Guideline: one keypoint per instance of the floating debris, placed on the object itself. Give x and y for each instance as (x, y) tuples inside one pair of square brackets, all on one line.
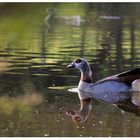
[(93, 124), (46, 135), (63, 132), (57, 121), (77, 127), (62, 119), (100, 122), (36, 111), (110, 17)]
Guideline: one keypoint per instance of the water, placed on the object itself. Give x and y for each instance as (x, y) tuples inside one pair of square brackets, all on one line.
[(36, 45)]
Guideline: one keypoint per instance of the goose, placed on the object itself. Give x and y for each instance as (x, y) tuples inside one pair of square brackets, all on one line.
[(112, 89)]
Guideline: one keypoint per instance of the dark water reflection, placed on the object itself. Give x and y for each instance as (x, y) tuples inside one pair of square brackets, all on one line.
[(35, 49)]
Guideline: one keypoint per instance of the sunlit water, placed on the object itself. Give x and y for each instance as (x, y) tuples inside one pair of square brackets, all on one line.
[(36, 45)]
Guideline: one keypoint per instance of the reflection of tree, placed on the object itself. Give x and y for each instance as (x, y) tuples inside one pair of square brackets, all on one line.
[(84, 29), (47, 26), (119, 50), (132, 39), (83, 40), (8, 85)]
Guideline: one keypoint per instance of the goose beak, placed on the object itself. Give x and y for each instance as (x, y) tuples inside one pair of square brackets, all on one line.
[(71, 65)]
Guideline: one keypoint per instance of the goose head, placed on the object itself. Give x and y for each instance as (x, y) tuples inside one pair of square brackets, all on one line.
[(79, 63), (83, 66)]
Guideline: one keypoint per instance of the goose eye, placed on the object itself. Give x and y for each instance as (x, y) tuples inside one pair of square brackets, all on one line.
[(78, 61)]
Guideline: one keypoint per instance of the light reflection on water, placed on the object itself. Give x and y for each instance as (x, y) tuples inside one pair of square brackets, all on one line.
[(34, 79)]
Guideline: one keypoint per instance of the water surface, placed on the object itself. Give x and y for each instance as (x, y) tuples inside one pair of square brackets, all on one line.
[(38, 41)]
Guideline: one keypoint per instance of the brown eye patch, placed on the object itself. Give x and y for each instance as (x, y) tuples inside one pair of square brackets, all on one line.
[(78, 60)]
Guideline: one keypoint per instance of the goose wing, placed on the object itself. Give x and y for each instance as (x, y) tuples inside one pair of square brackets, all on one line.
[(129, 76), (126, 77)]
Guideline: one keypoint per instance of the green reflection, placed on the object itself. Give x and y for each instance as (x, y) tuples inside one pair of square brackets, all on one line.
[(36, 45)]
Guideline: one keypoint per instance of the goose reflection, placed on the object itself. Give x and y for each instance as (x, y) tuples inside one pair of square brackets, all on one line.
[(121, 90), (128, 101)]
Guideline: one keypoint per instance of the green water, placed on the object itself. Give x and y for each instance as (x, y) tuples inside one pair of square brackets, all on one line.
[(38, 41)]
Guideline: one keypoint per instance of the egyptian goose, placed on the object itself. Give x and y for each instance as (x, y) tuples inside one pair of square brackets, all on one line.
[(112, 89)]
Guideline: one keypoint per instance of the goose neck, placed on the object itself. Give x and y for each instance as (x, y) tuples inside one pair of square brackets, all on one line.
[(86, 76)]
